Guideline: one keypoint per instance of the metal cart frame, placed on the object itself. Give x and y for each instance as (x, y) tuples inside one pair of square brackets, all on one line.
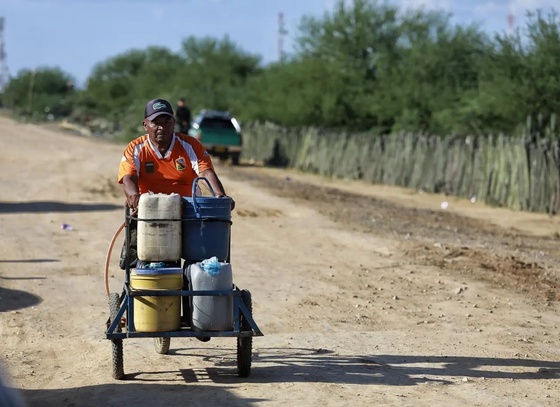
[(120, 324)]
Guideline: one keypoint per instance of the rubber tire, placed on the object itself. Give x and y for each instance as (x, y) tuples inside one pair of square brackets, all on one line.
[(117, 344), (245, 344), (162, 345)]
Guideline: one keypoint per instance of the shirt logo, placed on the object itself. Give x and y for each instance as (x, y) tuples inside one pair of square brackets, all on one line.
[(150, 168), (158, 105), (180, 164)]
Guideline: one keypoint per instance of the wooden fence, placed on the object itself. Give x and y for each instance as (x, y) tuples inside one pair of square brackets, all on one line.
[(519, 172)]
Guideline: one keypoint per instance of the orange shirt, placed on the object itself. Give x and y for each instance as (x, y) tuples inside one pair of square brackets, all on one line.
[(174, 172)]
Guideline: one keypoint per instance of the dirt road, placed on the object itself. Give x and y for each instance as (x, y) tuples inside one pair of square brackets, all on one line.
[(367, 295)]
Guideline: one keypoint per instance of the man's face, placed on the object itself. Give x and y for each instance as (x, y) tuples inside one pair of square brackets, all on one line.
[(160, 130)]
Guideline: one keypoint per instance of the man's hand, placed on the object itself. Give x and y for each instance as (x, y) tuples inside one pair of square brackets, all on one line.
[(215, 183), (132, 201), (225, 196), (130, 184)]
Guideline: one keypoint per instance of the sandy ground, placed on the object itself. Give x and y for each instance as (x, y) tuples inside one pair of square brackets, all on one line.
[(367, 295)]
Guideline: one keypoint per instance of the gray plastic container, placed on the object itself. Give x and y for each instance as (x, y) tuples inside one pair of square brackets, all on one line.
[(211, 313)]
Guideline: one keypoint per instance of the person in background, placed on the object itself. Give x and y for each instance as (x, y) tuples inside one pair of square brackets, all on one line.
[(183, 116), (162, 161)]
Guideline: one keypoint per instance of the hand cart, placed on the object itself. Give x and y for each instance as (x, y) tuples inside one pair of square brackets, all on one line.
[(120, 324)]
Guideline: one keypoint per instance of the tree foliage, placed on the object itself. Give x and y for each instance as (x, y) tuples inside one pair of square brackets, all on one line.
[(216, 72), (40, 94), (364, 65)]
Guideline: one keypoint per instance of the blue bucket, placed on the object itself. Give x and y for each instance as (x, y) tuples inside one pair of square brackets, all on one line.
[(206, 226)]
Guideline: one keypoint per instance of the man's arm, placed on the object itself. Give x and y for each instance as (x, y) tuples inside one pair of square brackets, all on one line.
[(130, 183)]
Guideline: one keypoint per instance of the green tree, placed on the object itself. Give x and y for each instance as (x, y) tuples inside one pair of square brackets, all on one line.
[(40, 94), (351, 48), (298, 93), (522, 77), (119, 87), (216, 72), (438, 74)]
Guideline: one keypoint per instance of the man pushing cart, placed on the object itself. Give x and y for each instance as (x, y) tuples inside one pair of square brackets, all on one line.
[(176, 254)]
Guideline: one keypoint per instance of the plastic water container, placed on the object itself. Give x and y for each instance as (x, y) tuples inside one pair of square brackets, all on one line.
[(206, 226), (159, 228), (157, 313), (211, 313)]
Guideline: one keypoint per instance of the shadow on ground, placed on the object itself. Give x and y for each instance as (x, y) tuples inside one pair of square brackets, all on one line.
[(280, 365), (186, 387), (54, 206), (138, 395), (25, 261), (12, 300)]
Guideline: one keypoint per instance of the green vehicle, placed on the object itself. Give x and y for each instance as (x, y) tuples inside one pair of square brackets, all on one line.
[(219, 133)]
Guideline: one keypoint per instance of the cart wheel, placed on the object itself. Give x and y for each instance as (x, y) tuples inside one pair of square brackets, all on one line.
[(162, 345), (118, 361), (245, 344)]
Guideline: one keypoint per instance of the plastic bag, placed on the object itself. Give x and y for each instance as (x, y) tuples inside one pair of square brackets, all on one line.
[(212, 266), (155, 265)]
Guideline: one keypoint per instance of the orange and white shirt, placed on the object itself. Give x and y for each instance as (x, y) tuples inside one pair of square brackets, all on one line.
[(175, 172)]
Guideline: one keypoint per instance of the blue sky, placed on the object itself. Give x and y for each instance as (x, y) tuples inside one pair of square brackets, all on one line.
[(76, 34)]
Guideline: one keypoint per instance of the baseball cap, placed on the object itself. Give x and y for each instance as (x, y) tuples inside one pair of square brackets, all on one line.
[(157, 107)]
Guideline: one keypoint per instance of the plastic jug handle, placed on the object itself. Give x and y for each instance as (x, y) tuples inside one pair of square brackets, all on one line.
[(194, 185)]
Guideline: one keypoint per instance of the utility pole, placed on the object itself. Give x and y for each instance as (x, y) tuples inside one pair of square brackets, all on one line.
[(281, 33), (4, 75), (510, 21)]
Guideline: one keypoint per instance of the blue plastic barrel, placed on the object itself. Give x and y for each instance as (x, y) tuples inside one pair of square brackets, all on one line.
[(206, 226)]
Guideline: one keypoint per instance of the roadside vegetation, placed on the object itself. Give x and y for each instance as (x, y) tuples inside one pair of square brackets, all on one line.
[(370, 92), (365, 66)]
